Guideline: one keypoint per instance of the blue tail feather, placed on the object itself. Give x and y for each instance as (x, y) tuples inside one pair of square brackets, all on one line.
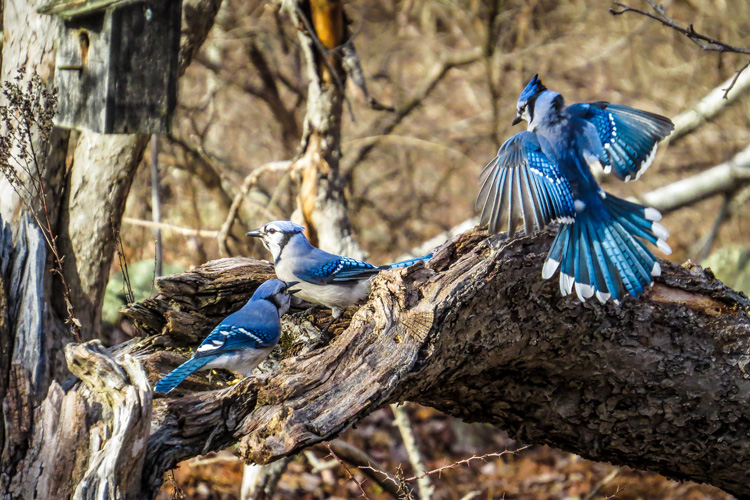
[(604, 282), (620, 261), (567, 266), (408, 262), (603, 251), (587, 277), (176, 376), (641, 276)]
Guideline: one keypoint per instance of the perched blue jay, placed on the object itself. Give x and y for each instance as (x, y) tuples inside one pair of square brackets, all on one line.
[(243, 339), (329, 280), (543, 175)]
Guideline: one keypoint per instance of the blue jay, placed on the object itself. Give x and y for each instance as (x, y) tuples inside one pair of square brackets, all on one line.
[(243, 339), (543, 175), (329, 280)]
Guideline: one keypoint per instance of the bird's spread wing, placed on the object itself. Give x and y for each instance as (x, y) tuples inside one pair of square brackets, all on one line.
[(522, 182), (629, 136), (227, 337), (337, 270)]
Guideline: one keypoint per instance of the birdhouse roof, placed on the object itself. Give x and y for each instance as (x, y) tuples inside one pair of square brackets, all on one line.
[(69, 9)]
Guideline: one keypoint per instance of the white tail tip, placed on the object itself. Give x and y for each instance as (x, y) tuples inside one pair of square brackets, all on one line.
[(659, 231), (566, 284), (652, 214), (550, 266), (656, 270), (584, 291), (664, 247)]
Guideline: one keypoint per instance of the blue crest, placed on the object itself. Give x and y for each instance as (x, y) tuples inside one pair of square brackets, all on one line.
[(285, 226), (268, 289), (534, 87)]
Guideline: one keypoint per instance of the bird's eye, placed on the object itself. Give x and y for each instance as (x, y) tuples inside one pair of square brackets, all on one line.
[(271, 230)]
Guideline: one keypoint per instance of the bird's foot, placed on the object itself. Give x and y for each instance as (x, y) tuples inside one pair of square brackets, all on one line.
[(325, 336), (324, 331), (306, 312)]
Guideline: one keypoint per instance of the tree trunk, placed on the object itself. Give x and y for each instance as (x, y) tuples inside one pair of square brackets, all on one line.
[(656, 383), (321, 201), (48, 451)]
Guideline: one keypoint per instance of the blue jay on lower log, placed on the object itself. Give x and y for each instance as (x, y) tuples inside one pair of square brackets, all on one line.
[(329, 280), (543, 175), (243, 339)]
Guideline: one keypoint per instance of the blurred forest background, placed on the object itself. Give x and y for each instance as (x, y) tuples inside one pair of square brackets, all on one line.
[(453, 71)]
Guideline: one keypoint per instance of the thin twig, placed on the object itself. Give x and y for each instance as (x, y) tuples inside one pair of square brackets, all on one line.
[(601, 484), (185, 231), (370, 468), (424, 483), (705, 42), (120, 250), (156, 204), (389, 122), (466, 461), (249, 182), (351, 476), (704, 246)]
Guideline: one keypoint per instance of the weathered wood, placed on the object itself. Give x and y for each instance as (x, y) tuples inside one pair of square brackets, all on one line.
[(117, 66), (656, 383), (70, 9), (117, 446)]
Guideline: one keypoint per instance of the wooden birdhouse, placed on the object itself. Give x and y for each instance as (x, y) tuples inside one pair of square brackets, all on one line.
[(116, 67)]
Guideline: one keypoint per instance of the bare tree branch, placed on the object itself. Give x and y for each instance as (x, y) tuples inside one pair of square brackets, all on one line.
[(184, 231), (247, 184), (386, 124), (424, 483), (719, 179), (711, 105), (703, 41), (477, 334)]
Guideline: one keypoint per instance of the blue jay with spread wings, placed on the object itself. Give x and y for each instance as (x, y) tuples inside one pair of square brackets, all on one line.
[(543, 175), (330, 280), (243, 339)]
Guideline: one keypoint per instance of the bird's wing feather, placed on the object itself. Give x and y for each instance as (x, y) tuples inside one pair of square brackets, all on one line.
[(227, 337), (521, 181), (628, 136), (335, 270)]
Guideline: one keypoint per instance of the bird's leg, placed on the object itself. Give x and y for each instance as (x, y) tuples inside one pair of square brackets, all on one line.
[(335, 314), (306, 312), (324, 331), (310, 309)]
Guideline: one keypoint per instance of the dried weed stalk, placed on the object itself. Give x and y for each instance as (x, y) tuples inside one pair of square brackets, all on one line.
[(27, 127)]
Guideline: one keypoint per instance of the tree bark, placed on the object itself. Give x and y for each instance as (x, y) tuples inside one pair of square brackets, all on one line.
[(322, 202), (656, 383)]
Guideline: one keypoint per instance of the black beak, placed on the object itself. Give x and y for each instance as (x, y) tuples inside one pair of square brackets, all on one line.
[(290, 284), (255, 233), (515, 122)]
